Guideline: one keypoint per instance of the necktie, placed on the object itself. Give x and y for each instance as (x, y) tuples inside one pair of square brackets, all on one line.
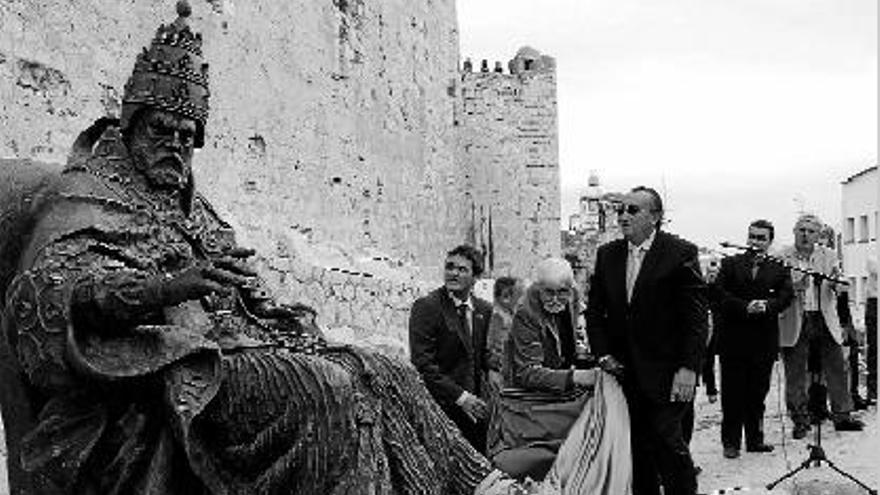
[(463, 316), (633, 266), (756, 263)]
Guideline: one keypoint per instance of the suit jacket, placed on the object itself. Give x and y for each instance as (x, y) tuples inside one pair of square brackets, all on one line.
[(542, 352), (449, 360), (744, 334), (663, 328), (824, 260)]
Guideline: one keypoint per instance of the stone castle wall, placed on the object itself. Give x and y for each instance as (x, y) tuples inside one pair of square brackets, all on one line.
[(330, 129), (344, 143), (508, 144), (338, 110)]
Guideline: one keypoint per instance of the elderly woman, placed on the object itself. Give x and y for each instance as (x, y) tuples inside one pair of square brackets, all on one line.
[(553, 420)]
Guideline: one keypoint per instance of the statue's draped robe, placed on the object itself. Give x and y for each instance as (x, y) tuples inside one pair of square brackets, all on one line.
[(198, 398)]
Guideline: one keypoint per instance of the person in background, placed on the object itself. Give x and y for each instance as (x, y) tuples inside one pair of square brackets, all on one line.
[(851, 335), (812, 322), (871, 330), (753, 291), (708, 371), (507, 293)]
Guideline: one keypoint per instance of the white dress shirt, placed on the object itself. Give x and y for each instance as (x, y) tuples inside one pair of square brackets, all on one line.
[(634, 260)]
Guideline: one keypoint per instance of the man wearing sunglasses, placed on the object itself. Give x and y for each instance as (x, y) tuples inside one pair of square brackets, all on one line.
[(811, 326), (647, 321), (753, 291)]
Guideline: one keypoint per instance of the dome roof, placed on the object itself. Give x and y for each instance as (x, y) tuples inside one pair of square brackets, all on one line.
[(528, 53)]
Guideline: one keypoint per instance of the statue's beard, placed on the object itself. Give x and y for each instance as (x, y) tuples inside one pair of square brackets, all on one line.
[(168, 171)]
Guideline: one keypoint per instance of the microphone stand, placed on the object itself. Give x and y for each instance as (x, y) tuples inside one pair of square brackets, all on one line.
[(817, 275), (814, 364)]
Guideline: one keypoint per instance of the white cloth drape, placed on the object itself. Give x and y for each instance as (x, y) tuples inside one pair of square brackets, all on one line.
[(595, 458)]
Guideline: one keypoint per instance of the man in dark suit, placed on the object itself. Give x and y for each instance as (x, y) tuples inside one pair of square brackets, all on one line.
[(647, 321), (753, 291), (447, 339)]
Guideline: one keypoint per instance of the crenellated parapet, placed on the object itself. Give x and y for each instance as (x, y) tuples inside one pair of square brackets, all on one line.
[(508, 145), (527, 61)]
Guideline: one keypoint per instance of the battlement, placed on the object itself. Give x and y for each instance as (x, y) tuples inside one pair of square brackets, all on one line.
[(526, 61)]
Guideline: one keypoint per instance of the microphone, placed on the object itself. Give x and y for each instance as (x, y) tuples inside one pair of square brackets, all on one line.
[(731, 245)]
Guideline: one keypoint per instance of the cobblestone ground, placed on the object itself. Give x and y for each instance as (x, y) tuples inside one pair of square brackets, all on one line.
[(856, 453)]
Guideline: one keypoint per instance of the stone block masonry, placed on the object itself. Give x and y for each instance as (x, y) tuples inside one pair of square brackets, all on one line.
[(332, 143), (330, 120), (334, 114), (508, 145)]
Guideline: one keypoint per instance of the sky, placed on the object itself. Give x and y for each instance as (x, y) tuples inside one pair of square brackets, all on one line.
[(733, 109)]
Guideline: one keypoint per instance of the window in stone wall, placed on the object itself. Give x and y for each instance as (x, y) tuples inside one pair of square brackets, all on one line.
[(863, 228)]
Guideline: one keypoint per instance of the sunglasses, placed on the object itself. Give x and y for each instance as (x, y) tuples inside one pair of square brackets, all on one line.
[(758, 237), (631, 209)]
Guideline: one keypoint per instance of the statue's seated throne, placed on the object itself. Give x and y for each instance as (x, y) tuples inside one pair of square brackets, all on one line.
[(24, 184)]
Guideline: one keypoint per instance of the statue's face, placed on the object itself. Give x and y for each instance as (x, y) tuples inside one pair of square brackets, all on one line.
[(161, 145)]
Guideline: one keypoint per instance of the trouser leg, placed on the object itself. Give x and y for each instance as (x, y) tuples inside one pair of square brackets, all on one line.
[(646, 480), (708, 373), (732, 398), (687, 424), (674, 462), (795, 361), (757, 386), (834, 369), (852, 365)]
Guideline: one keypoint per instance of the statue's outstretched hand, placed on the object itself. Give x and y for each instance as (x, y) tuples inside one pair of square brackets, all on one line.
[(235, 261), (191, 284)]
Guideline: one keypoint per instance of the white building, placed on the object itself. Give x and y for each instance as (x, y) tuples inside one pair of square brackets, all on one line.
[(858, 234), (596, 215)]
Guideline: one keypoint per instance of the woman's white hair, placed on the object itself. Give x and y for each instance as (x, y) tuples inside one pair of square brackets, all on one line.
[(554, 271)]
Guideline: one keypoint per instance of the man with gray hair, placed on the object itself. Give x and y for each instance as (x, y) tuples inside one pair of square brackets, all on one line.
[(811, 326)]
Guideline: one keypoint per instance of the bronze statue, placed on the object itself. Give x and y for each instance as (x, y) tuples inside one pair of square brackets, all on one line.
[(156, 361)]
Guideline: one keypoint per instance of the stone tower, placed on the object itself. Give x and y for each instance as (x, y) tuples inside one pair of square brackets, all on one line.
[(507, 132)]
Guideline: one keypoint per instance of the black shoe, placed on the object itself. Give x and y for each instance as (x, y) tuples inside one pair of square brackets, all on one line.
[(849, 424), (731, 452), (800, 431), (761, 447), (859, 404)]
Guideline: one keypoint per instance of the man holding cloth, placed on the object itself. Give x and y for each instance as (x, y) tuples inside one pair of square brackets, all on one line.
[(647, 321)]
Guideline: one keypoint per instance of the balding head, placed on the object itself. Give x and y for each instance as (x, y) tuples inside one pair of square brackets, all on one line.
[(806, 232), (554, 280)]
